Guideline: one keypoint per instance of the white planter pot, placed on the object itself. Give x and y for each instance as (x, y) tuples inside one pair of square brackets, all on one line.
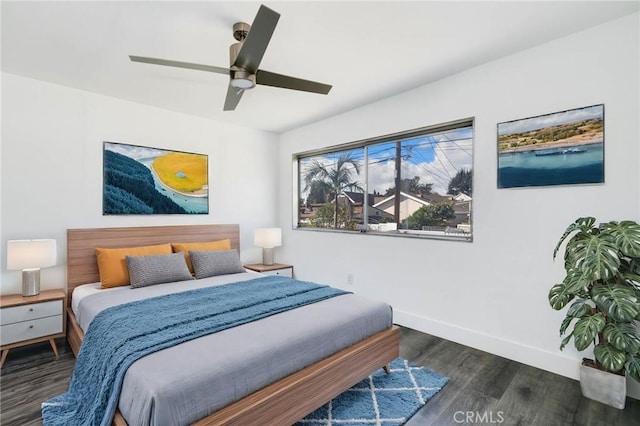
[(602, 386)]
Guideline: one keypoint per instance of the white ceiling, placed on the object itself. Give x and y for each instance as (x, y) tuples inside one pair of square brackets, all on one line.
[(367, 50)]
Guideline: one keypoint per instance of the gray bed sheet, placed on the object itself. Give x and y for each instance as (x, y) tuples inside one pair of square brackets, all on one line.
[(182, 384)]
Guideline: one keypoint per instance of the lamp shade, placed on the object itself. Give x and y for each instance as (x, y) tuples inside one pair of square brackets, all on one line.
[(25, 254), (268, 237)]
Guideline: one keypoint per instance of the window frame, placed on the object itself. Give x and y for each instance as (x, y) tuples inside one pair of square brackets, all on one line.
[(364, 144)]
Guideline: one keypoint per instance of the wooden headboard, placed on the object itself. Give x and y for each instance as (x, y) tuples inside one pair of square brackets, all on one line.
[(82, 267)]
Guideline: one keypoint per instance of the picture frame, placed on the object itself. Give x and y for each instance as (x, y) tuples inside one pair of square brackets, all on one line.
[(560, 148), (141, 180)]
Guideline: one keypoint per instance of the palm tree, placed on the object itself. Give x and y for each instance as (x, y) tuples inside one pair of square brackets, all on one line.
[(334, 178), (461, 183)]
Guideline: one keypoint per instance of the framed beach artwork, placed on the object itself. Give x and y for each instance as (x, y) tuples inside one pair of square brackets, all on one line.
[(561, 148), (144, 180)]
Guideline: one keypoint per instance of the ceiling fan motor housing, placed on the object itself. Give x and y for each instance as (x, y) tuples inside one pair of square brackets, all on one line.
[(240, 30), (234, 49), (240, 78)]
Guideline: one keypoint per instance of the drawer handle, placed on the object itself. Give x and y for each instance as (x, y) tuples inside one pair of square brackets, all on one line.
[(31, 326), (30, 309)]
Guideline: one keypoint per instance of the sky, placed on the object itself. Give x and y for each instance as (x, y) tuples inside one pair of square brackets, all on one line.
[(553, 119), (137, 152), (435, 159)]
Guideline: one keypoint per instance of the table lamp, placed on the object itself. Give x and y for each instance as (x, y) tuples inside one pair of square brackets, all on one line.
[(267, 238), (29, 256)]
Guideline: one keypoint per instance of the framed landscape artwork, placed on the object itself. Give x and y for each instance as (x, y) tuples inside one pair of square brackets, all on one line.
[(144, 180), (562, 148)]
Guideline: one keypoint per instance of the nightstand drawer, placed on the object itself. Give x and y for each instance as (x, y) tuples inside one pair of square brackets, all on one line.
[(25, 330), (30, 312), (286, 272)]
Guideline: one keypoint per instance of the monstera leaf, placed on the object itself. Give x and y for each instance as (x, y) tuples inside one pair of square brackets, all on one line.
[(626, 235), (634, 266), (632, 279), (611, 358), (565, 341), (571, 257), (618, 301), (623, 336), (586, 330), (576, 281), (583, 224), (595, 255), (559, 296), (564, 325), (578, 309), (633, 366)]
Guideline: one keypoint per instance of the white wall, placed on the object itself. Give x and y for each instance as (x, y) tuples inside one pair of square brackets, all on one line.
[(51, 170), (490, 294)]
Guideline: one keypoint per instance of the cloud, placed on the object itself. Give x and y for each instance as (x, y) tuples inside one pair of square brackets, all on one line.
[(434, 161), (449, 160), (549, 120), (134, 151)]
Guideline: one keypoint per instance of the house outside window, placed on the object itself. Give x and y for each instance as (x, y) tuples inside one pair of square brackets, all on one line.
[(416, 183)]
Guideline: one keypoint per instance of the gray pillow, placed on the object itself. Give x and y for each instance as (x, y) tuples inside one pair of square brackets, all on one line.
[(212, 263), (157, 269)]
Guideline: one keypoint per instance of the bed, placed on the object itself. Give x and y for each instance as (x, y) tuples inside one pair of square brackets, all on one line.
[(281, 401)]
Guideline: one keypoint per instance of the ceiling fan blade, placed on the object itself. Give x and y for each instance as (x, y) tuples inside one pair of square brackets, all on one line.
[(267, 78), (257, 40), (178, 64), (232, 99)]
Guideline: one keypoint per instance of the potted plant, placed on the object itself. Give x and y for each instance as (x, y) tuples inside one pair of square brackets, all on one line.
[(602, 279)]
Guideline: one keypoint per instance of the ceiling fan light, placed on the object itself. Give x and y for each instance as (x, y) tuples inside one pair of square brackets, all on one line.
[(243, 80), (243, 83)]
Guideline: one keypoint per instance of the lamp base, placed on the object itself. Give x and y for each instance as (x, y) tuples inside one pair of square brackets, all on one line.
[(267, 256), (30, 282)]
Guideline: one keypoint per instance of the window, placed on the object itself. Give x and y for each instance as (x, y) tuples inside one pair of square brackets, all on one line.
[(416, 183)]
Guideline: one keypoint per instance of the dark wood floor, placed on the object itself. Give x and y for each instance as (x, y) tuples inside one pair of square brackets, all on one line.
[(492, 388), (30, 375), (483, 389)]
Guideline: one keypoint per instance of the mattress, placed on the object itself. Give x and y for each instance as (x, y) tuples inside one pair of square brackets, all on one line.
[(84, 290), (182, 384)]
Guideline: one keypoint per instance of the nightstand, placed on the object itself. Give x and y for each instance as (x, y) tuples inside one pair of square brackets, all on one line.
[(33, 319), (275, 269)]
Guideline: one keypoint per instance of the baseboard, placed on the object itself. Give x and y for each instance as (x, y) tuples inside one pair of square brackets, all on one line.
[(556, 363)]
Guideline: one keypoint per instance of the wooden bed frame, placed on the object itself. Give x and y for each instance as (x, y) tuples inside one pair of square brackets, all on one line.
[(282, 402)]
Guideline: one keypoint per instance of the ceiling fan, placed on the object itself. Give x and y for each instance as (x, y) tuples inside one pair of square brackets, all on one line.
[(246, 56)]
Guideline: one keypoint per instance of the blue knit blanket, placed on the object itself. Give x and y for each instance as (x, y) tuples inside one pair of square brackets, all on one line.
[(122, 334)]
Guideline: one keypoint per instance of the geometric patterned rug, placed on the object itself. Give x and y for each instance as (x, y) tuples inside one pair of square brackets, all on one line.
[(382, 399)]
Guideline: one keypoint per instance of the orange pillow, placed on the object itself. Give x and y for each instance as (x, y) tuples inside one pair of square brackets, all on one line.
[(112, 263), (206, 246)]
